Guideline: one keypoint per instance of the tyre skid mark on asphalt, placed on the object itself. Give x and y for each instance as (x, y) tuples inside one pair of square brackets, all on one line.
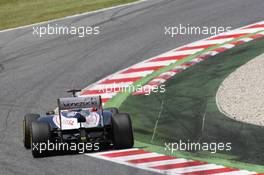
[(2, 68)]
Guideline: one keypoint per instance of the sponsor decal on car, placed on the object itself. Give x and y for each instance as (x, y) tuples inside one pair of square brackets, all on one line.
[(68, 122), (92, 120)]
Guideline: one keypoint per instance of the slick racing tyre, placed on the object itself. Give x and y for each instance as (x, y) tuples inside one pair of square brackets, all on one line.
[(28, 119), (122, 131), (40, 134)]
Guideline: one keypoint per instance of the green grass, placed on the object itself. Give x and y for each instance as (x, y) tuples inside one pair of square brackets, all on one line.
[(14, 13), (188, 96)]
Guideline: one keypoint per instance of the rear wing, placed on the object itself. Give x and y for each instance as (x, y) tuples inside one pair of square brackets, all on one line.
[(72, 103), (79, 103)]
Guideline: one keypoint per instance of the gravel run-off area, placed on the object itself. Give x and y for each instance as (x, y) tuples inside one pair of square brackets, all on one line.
[(241, 95)]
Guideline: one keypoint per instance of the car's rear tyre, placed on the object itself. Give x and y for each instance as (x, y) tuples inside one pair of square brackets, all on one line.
[(113, 110), (122, 131), (40, 134), (28, 119)]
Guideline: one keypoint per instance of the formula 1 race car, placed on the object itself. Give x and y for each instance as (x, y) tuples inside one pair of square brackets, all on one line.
[(78, 120)]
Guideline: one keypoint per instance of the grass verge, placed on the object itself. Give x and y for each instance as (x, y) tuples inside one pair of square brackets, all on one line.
[(190, 95), (14, 13)]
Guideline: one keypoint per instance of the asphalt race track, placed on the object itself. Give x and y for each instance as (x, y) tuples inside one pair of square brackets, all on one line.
[(35, 71)]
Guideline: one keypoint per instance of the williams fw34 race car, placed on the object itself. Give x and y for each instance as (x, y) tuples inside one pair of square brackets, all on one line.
[(78, 120)]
